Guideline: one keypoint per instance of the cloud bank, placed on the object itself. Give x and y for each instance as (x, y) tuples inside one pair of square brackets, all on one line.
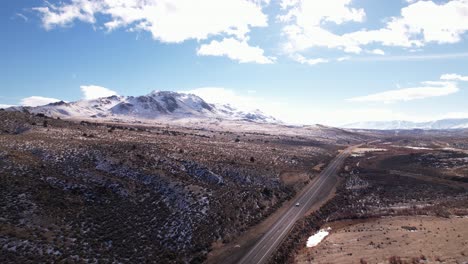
[(454, 77), (3, 106), (427, 90), (94, 91), (37, 101), (170, 21), (235, 50), (223, 28), (306, 26), (446, 86)]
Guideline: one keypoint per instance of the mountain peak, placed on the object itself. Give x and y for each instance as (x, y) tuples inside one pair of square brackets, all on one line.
[(153, 106), (157, 93)]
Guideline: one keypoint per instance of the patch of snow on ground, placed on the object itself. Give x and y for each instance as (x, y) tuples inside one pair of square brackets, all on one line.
[(421, 148), (412, 147), (450, 149), (359, 151), (315, 239)]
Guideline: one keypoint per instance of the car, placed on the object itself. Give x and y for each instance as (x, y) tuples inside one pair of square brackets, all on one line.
[(297, 204)]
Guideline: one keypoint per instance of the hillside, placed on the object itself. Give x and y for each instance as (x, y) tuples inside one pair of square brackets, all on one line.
[(157, 105)]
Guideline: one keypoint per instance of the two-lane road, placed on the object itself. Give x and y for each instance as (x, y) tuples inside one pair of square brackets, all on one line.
[(316, 191)]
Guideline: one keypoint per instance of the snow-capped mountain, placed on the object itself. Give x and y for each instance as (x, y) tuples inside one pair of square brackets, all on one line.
[(155, 106), (397, 125)]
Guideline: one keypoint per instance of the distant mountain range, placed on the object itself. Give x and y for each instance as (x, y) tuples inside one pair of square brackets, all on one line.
[(158, 105), (396, 125)]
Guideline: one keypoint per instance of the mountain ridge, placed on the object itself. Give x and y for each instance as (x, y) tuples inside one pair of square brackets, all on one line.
[(156, 105), (441, 124)]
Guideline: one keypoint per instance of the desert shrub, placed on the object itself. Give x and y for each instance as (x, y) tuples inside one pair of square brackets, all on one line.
[(395, 260), (442, 212)]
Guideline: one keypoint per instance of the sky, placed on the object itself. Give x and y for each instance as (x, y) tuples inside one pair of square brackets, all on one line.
[(303, 61)]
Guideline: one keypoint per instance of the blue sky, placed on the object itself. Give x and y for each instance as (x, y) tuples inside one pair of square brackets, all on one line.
[(329, 62)]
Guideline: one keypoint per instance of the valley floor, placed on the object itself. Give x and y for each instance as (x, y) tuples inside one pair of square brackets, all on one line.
[(173, 193), (406, 238), (156, 193), (401, 200)]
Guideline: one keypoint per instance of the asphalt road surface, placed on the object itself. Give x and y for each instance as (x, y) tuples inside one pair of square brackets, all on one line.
[(317, 191)]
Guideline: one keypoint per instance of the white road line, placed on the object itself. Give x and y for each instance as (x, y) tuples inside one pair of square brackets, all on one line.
[(295, 218), (279, 225)]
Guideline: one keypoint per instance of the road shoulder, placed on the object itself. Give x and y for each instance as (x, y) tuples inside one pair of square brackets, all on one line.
[(232, 252)]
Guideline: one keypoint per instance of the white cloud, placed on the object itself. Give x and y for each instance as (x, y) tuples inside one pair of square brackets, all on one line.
[(3, 106), (223, 96), (303, 60), (25, 18), (377, 52), (300, 39), (93, 92), (305, 21), (428, 89), (451, 22), (454, 77), (345, 58), (300, 113), (89, 92), (247, 102), (421, 57), (312, 13), (37, 101), (170, 21), (452, 115), (415, 27), (167, 20), (287, 112), (291, 113), (341, 117), (65, 14), (235, 50)]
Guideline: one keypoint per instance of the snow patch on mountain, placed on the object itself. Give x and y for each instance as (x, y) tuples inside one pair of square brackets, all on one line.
[(157, 105), (460, 123)]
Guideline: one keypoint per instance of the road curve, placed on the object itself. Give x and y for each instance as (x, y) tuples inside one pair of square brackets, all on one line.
[(316, 191)]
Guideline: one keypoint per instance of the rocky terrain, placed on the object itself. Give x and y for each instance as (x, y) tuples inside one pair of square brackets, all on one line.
[(155, 193), (172, 192), (401, 175), (394, 239)]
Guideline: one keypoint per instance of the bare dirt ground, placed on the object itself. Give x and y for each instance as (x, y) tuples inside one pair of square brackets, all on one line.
[(403, 199), (431, 179), (414, 239), (318, 167), (134, 193), (292, 178), (232, 252)]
